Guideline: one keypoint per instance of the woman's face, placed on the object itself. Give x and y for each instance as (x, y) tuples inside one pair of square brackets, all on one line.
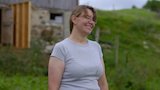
[(84, 23)]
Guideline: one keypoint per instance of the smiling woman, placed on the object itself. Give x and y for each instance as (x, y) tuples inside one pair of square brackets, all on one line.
[(70, 66)]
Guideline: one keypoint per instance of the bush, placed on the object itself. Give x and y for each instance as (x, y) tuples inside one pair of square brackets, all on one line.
[(31, 61)]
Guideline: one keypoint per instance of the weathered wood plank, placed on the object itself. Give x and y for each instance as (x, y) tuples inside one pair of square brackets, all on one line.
[(22, 13)]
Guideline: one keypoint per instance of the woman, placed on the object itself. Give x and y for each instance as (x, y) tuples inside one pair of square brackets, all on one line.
[(76, 63)]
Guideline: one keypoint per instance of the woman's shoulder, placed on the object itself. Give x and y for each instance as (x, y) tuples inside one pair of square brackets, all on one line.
[(93, 42), (61, 43)]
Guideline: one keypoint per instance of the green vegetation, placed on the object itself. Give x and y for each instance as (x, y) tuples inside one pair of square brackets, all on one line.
[(138, 33), (32, 61), (153, 5), (23, 83), (139, 48)]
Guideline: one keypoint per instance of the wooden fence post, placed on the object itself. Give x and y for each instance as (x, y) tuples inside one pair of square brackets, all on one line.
[(97, 34), (116, 50)]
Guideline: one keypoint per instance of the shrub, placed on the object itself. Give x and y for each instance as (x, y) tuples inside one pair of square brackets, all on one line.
[(31, 61)]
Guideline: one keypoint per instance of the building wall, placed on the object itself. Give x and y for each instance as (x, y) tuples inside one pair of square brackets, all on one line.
[(45, 29), (42, 27), (39, 16), (67, 23), (0, 23), (7, 27)]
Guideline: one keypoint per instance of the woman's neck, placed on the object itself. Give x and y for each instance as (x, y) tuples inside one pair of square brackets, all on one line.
[(78, 38)]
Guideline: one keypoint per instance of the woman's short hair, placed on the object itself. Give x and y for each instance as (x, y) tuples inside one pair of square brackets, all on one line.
[(78, 11)]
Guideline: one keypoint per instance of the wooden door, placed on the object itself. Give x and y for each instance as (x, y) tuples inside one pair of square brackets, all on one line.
[(21, 27)]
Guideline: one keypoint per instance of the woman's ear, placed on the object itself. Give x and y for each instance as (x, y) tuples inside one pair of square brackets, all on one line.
[(74, 19)]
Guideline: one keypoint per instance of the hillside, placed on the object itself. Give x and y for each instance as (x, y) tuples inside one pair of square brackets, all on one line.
[(130, 41), (138, 34)]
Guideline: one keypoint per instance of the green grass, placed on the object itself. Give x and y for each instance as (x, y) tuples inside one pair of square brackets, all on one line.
[(24, 83), (137, 66)]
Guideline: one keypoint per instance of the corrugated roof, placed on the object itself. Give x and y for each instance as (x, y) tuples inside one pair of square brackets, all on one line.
[(58, 4)]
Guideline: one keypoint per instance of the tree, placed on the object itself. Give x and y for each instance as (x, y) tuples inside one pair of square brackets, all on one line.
[(134, 7), (153, 5)]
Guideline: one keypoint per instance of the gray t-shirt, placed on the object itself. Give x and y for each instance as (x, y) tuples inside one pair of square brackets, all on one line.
[(83, 65)]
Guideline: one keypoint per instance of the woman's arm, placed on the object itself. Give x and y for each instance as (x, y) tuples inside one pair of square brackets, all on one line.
[(55, 72), (103, 80)]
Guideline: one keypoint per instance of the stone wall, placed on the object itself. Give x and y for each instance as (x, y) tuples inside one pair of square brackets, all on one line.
[(43, 28), (46, 30), (6, 27)]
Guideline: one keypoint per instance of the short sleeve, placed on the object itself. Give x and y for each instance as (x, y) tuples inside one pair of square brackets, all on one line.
[(58, 52), (100, 50)]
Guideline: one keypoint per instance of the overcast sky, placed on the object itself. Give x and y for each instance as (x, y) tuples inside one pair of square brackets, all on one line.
[(113, 4)]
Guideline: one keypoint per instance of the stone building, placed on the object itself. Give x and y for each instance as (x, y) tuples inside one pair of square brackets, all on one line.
[(23, 21)]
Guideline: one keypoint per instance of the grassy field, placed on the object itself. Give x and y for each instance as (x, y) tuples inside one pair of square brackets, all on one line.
[(138, 34), (23, 83)]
